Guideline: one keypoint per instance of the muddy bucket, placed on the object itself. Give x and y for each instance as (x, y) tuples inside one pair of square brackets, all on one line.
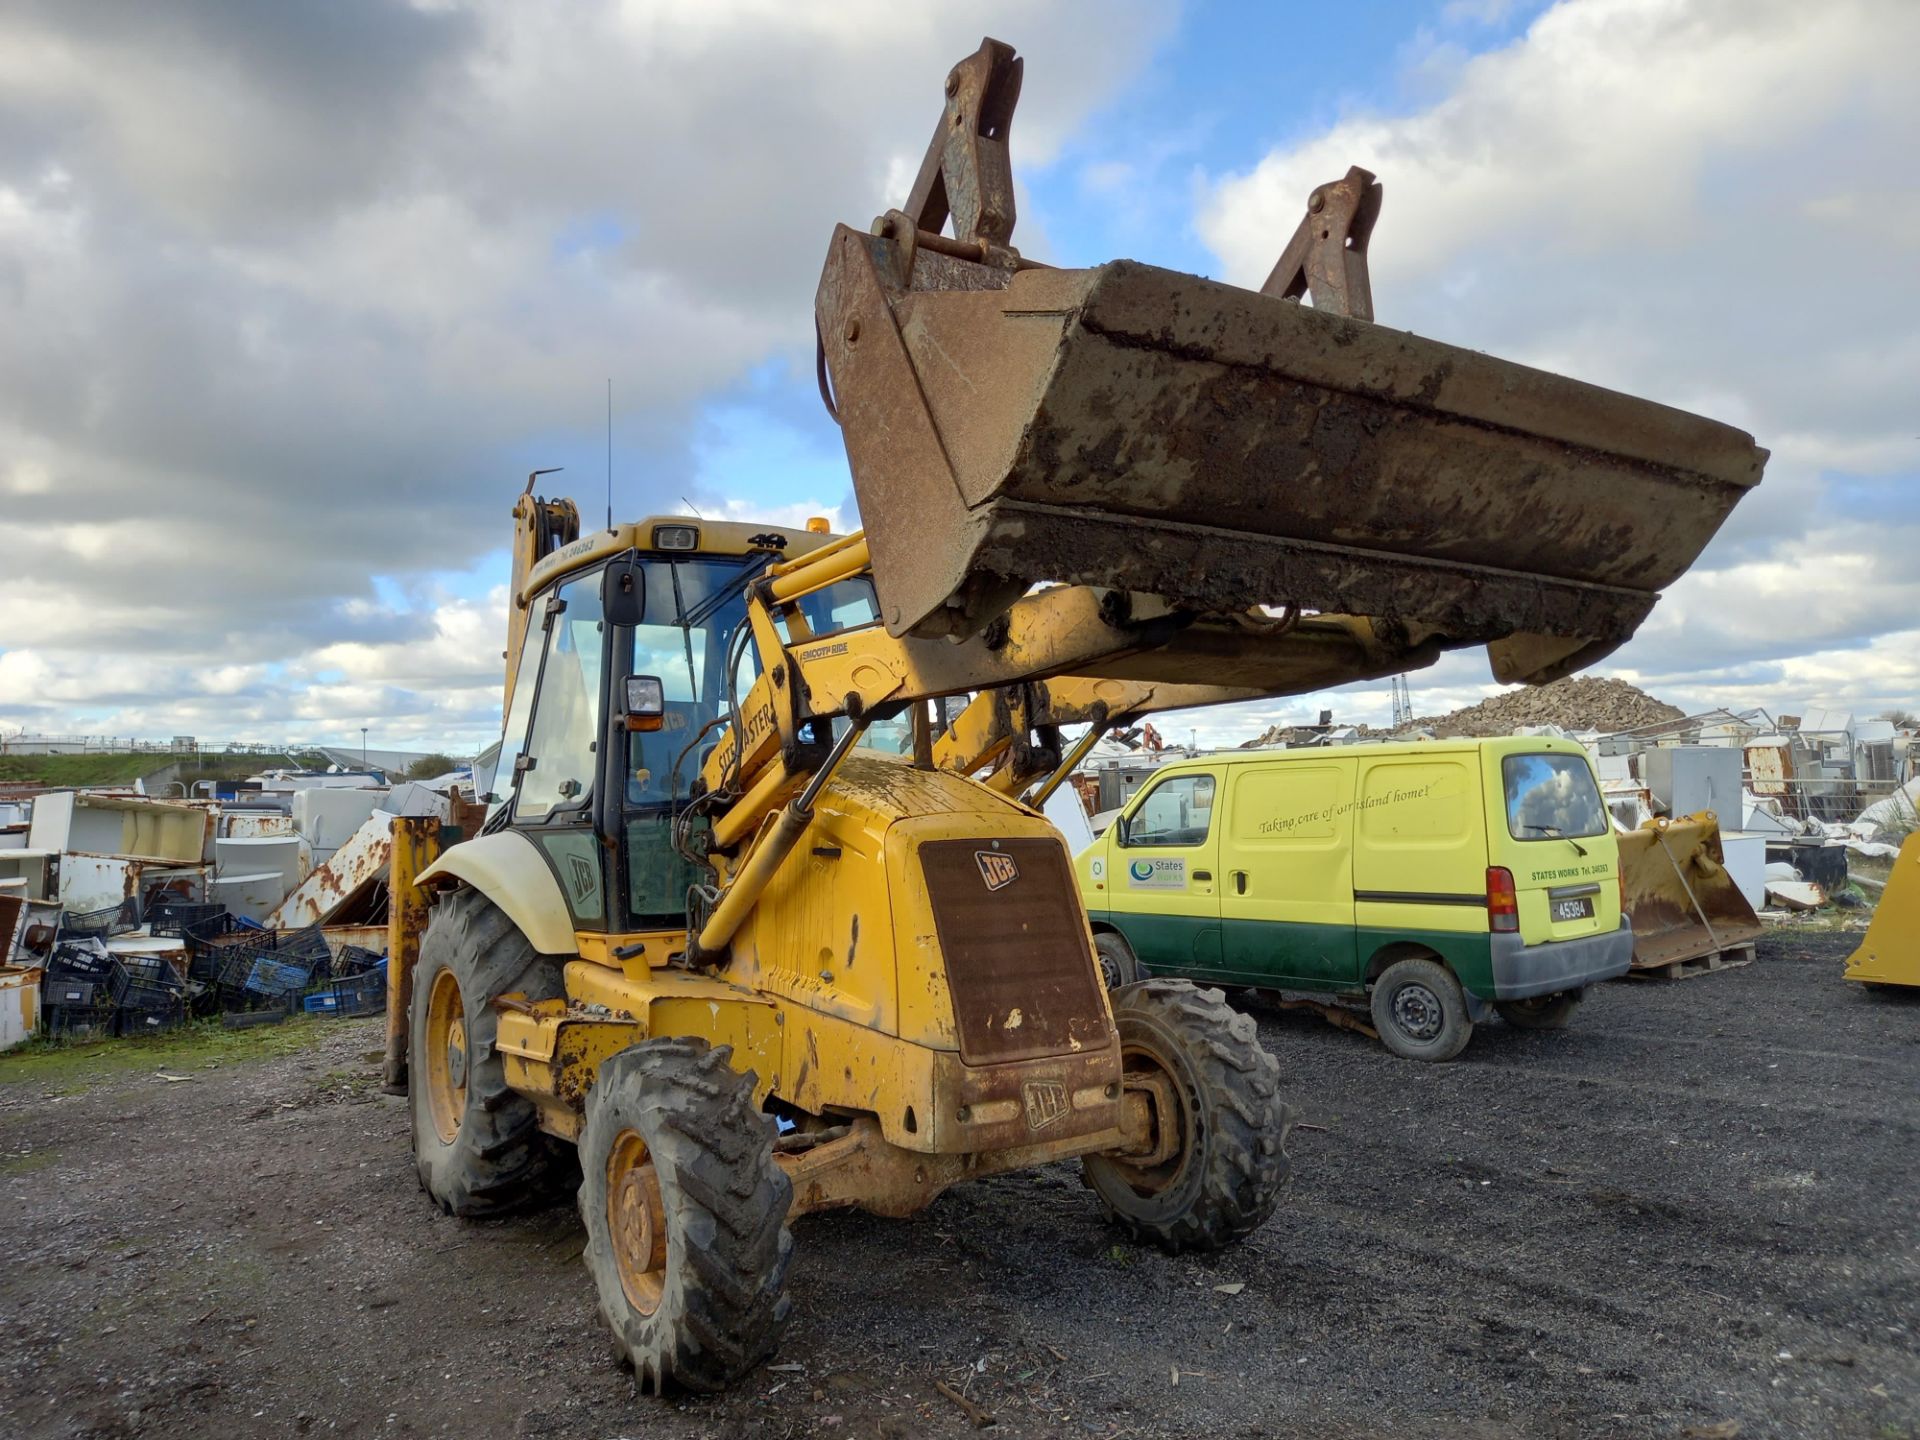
[(1151, 431), (1677, 894)]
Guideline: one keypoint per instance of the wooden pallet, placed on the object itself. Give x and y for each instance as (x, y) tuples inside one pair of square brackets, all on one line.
[(1731, 958)]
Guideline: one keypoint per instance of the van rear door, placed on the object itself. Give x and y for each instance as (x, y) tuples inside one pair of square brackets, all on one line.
[(1286, 905), (1420, 859), (1555, 836)]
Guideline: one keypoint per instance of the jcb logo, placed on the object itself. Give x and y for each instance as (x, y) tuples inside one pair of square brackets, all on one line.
[(1046, 1102), (996, 869)]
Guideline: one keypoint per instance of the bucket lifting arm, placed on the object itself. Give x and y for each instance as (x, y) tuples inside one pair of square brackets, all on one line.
[(1327, 256), (967, 174)]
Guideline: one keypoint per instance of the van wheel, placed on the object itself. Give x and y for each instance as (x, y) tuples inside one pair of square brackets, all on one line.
[(1421, 1011), (1117, 963), (1542, 1012)]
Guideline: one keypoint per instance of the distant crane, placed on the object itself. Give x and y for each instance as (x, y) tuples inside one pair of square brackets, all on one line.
[(1402, 703)]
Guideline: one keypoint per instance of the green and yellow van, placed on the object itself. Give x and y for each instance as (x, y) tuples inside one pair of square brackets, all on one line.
[(1438, 882)]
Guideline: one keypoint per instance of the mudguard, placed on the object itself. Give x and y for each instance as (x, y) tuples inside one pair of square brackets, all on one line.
[(508, 869)]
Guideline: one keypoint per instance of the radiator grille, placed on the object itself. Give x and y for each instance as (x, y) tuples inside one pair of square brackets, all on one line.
[(1019, 962)]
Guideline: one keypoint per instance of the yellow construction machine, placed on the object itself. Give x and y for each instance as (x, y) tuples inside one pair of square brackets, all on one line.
[(745, 962), (1889, 952), (1675, 889)]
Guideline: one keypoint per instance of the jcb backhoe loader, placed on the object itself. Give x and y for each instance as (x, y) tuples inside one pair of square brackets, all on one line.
[(748, 965)]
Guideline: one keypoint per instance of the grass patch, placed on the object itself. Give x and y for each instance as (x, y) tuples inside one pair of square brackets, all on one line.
[(80, 770), (12, 1165), (202, 1045)]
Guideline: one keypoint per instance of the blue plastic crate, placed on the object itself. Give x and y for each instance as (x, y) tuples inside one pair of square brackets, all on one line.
[(362, 994)]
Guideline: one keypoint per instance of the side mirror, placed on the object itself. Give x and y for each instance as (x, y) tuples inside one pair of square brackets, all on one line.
[(623, 591), (1121, 827), (646, 706)]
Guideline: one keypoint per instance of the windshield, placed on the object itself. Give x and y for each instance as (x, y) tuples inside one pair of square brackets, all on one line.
[(695, 612), (695, 609), (1551, 797)]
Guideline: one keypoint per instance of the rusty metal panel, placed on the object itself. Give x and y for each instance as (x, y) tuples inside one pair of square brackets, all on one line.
[(1019, 961), (329, 891), (1770, 768)]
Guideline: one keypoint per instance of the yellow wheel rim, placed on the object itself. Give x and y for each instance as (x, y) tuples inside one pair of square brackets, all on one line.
[(636, 1222), (446, 1056)]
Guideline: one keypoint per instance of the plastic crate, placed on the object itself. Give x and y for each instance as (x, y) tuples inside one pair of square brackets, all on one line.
[(74, 994), (96, 924), (361, 994), (148, 1010), (81, 961), (181, 917), (79, 1021), (308, 945), (258, 977), (211, 943), (351, 960)]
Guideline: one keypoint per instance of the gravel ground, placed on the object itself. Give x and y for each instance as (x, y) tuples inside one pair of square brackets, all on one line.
[(1697, 1212)]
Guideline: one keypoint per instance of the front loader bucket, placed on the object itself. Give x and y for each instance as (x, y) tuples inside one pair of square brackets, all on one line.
[(1676, 892), (1150, 431), (1889, 952)]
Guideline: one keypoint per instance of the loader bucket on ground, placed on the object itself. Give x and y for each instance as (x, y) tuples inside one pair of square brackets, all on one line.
[(1677, 893), (1152, 431), (1889, 952)]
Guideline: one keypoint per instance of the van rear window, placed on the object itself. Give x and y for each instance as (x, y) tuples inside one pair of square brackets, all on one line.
[(1551, 797)]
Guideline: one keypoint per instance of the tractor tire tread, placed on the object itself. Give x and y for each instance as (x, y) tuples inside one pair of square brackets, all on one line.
[(1242, 1121), (501, 1160), (729, 1248)]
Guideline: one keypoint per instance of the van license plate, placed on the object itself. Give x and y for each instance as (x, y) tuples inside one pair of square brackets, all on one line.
[(1581, 909)]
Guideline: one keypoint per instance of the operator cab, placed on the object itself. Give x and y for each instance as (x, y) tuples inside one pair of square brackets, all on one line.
[(621, 692)]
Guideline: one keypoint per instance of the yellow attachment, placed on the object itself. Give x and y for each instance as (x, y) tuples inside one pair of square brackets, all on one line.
[(1677, 893), (1889, 954)]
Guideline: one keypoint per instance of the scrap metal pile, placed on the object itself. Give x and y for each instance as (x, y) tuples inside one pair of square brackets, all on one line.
[(122, 914)]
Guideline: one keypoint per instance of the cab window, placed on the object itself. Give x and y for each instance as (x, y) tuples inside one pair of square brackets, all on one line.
[(560, 750), (1178, 811), (1551, 797)]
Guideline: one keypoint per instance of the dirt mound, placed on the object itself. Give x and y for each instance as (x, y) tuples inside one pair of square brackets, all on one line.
[(1582, 703)]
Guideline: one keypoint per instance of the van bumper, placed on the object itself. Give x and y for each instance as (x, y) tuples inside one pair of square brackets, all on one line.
[(1522, 971)]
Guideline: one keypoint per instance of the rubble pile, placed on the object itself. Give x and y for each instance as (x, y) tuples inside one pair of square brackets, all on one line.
[(1580, 703)]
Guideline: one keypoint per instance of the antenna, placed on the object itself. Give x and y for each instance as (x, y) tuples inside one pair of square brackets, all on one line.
[(609, 452), (691, 506)]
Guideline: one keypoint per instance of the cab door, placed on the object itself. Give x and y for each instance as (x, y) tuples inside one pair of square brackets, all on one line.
[(1286, 905), (1162, 885)]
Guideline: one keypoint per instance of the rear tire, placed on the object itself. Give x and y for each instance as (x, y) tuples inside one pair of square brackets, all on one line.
[(1118, 965), (477, 1145), (686, 1215), (1232, 1161), (1543, 1012), (1420, 1010)]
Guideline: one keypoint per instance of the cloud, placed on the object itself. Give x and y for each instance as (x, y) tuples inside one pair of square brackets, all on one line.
[(293, 293), (1708, 202)]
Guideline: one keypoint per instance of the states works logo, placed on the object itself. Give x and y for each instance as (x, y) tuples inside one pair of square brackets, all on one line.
[(996, 869), (1141, 870)]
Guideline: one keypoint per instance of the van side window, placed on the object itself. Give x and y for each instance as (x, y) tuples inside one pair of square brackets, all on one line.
[(1176, 812)]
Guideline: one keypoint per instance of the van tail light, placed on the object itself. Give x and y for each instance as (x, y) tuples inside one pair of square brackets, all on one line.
[(1503, 903)]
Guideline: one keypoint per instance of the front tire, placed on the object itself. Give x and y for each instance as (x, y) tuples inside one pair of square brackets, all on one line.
[(685, 1210), (477, 1145), (1420, 1011), (1226, 1173), (1543, 1012)]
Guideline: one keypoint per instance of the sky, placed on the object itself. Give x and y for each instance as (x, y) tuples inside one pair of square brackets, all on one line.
[(295, 296)]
